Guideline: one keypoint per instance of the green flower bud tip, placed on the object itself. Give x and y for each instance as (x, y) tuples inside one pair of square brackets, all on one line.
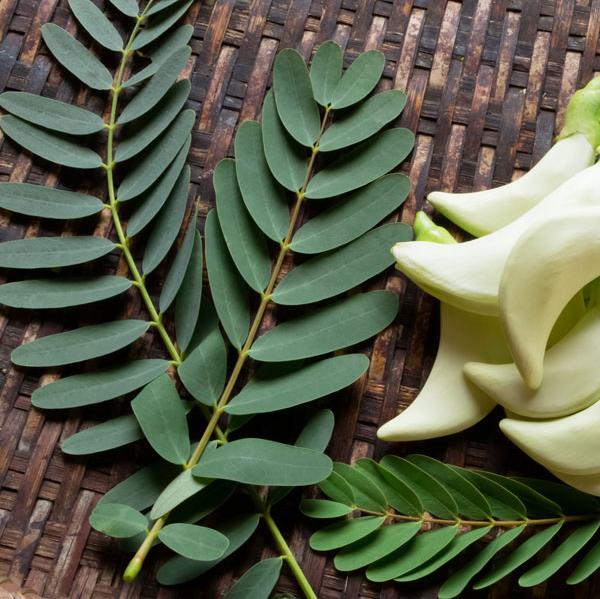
[(583, 114), (427, 230)]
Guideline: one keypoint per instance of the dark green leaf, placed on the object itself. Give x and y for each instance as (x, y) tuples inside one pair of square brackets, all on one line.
[(323, 508), (93, 20), (203, 503), (587, 566), (55, 147), (162, 417), (160, 5), (363, 121), (95, 387), (342, 269), (228, 289), (326, 71), (80, 344), (294, 97), (76, 58), (363, 164), (287, 160), (333, 327), (194, 542), (264, 199), (60, 293), (344, 533), (51, 114), (571, 501), (246, 244), (359, 79), (102, 437), (127, 7), (158, 24), (366, 495), (258, 581), (117, 520), (262, 462), (316, 433), (336, 487), (177, 491), (158, 158), (353, 216)]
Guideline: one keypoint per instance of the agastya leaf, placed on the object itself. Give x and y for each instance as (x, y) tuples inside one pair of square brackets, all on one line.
[(264, 199), (294, 97), (333, 327), (156, 160), (323, 508), (51, 114), (561, 555), (262, 462), (457, 546), (471, 503), (80, 344), (189, 296), (162, 418), (102, 437), (193, 541), (93, 20), (336, 488), (228, 290), (519, 556), (204, 503), (326, 71), (61, 293), (167, 224), (118, 520), (258, 581), (160, 5), (238, 529), (435, 498), (365, 163), (129, 8), (342, 269), (366, 494), (287, 160), (176, 492), (176, 274), (362, 122), (352, 216), (417, 551), (587, 566), (344, 533), (376, 546), (271, 389), (397, 493), (571, 501), (94, 387), (246, 244), (159, 23), (145, 130), (359, 79), (52, 252), (55, 147)]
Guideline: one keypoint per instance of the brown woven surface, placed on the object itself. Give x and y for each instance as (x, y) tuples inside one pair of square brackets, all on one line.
[(487, 81)]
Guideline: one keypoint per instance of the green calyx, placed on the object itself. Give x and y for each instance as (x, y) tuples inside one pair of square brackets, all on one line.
[(583, 114), (427, 230)]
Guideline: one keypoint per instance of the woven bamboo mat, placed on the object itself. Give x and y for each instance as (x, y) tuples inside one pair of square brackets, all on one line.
[(487, 82)]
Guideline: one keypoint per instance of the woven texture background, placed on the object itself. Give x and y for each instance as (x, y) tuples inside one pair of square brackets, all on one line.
[(487, 81)]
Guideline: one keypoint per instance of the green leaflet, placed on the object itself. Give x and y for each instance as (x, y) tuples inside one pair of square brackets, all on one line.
[(159, 23), (160, 5), (228, 290), (95, 387), (76, 58), (154, 162), (342, 269), (326, 71), (204, 503), (294, 97), (264, 199), (352, 216), (570, 500), (366, 494), (359, 79), (343, 533), (51, 114), (176, 492), (335, 487), (129, 8), (329, 328), (323, 508), (275, 388), (363, 164), (154, 122), (587, 566), (102, 437), (258, 581), (61, 293), (362, 122), (52, 252), (93, 20), (116, 520), (81, 344), (194, 542), (54, 147), (287, 160), (262, 462), (247, 246), (167, 224)]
